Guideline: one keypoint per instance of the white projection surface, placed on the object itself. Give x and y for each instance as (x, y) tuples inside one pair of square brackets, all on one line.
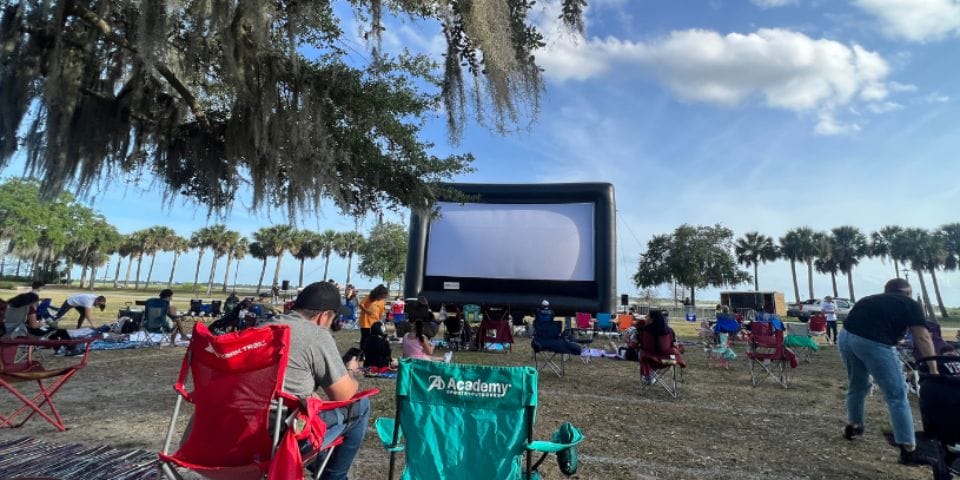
[(512, 241)]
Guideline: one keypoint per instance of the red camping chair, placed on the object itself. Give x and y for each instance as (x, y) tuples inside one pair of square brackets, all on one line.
[(768, 355), (658, 355), (26, 370), (495, 328), (238, 383), (818, 324)]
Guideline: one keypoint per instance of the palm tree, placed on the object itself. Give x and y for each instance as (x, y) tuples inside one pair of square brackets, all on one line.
[(753, 249), (240, 250), (232, 239), (913, 245), (847, 246), (124, 250), (937, 259), (137, 241), (951, 243), (220, 243), (201, 241), (257, 251), (800, 244), (279, 241), (329, 240), (825, 263), (880, 245), (160, 238), (349, 243), (306, 245), (178, 245)]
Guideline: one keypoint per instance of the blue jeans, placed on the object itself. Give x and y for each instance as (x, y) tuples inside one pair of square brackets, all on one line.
[(351, 424), (864, 358)]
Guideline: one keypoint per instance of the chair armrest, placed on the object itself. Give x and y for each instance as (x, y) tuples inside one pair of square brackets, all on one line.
[(385, 427), (565, 437)]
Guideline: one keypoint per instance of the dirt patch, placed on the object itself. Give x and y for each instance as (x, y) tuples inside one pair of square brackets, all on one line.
[(721, 427)]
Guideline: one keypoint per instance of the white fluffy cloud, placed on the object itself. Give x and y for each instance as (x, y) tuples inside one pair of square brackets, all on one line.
[(915, 20), (773, 3), (781, 68)]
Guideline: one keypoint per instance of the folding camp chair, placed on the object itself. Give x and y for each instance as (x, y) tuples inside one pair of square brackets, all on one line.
[(583, 334), (605, 323), (453, 332), (43, 309), (471, 313), (817, 325), (29, 370), (768, 355), (547, 340), (659, 357), (236, 432), (940, 412), (15, 321), (801, 340), (625, 321), (470, 422), (495, 329), (155, 322), (718, 351)]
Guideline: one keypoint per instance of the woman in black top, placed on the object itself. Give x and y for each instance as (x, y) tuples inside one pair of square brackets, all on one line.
[(376, 348)]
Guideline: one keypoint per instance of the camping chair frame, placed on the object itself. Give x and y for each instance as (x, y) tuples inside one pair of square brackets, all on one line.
[(155, 317), (768, 364), (714, 350), (557, 366), (667, 368), (30, 370), (804, 352), (911, 374), (669, 377)]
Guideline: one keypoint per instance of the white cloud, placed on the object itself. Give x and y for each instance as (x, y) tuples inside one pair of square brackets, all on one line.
[(915, 20), (784, 69), (773, 3), (936, 97), (884, 107)]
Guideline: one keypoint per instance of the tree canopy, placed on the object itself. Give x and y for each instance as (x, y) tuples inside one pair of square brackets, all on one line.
[(212, 95), (384, 253)]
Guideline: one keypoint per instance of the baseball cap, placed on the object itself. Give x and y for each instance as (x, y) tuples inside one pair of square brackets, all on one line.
[(545, 303), (320, 296)]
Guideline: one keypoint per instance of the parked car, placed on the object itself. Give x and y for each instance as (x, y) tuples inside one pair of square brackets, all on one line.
[(806, 308)]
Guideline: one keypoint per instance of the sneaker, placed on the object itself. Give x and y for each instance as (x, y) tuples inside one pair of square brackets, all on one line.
[(852, 432), (447, 357), (912, 457)]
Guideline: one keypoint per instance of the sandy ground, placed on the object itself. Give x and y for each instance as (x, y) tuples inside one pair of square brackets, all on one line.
[(721, 427)]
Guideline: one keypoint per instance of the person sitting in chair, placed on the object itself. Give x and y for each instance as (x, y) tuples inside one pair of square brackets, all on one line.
[(174, 321), (417, 344), (376, 348), (315, 365), (84, 303)]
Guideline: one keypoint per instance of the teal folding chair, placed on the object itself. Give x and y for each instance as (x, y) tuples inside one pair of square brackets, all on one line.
[(155, 321), (470, 422)]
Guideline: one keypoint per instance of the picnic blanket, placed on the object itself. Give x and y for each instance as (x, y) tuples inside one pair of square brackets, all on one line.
[(124, 341), (31, 458)]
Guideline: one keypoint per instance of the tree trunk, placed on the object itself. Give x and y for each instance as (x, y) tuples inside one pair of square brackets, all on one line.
[(153, 259), (326, 267), (83, 276), (349, 266), (116, 277), (35, 271), (927, 308), (213, 271), (833, 279), (276, 271), (300, 282), (756, 278), (896, 267), (226, 272), (126, 279), (693, 296), (796, 287), (19, 261), (263, 270), (850, 285), (93, 277), (936, 290), (196, 276), (3, 261), (136, 281), (810, 277), (236, 271), (176, 256)]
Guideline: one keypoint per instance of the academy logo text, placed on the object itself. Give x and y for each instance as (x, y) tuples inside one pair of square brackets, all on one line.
[(473, 388)]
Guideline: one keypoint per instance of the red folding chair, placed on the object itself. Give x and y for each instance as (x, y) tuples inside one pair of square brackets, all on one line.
[(495, 328), (769, 358), (16, 369), (658, 355), (237, 392)]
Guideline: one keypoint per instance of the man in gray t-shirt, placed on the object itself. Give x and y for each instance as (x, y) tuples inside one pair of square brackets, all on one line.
[(315, 364)]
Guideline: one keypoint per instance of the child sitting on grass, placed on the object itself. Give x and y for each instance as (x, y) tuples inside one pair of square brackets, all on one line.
[(416, 343)]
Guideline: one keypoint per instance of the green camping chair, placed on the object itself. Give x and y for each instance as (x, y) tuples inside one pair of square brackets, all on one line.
[(470, 422)]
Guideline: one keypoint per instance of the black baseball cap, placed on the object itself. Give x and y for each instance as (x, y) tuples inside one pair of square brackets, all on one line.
[(320, 296)]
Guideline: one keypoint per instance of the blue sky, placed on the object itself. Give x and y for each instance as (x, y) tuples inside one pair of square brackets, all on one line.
[(760, 115)]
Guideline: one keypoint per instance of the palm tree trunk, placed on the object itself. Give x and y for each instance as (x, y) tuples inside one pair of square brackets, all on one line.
[(833, 279), (263, 270), (93, 277), (850, 285), (196, 276), (810, 277), (927, 308), (176, 256), (226, 272), (896, 267), (796, 287), (136, 281), (936, 290), (153, 259), (236, 271), (213, 271), (116, 276), (276, 271), (756, 279), (349, 266), (126, 279), (300, 282), (693, 296), (326, 267), (19, 262), (83, 276)]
